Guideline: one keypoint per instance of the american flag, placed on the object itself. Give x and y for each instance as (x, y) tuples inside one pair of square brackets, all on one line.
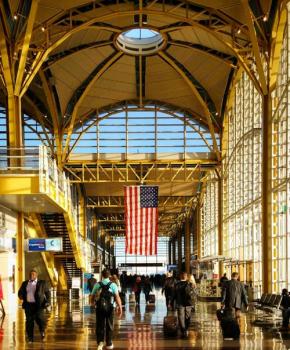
[(141, 218)]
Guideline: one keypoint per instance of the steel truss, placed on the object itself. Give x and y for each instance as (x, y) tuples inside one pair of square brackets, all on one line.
[(143, 171)]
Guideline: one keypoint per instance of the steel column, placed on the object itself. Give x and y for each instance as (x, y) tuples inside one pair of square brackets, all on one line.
[(179, 250), (20, 262), (15, 134), (266, 196), (174, 250), (220, 221), (198, 231), (187, 245)]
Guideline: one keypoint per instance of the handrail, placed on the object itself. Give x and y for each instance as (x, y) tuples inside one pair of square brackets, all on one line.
[(52, 181)]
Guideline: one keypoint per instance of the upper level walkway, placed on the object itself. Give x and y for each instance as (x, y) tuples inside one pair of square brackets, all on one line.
[(71, 325)]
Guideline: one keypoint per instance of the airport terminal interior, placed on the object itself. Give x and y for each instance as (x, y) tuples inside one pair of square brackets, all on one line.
[(189, 96)]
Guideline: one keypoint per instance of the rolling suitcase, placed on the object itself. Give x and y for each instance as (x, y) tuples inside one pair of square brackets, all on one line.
[(230, 328), (151, 298), (170, 326), (229, 324)]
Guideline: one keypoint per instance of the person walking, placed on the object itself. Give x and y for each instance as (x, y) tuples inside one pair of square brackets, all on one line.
[(115, 279), (169, 290), (234, 295), (137, 288), (91, 282), (107, 295), (183, 296), (35, 294), (147, 288), (285, 305), (223, 280)]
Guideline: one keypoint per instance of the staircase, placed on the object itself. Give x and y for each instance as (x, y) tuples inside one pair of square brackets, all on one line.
[(55, 226)]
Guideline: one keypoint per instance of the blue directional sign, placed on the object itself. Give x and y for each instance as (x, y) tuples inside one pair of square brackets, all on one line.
[(45, 244), (36, 245)]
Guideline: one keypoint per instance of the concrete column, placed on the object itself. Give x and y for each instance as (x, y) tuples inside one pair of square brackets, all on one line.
[(187, 245)]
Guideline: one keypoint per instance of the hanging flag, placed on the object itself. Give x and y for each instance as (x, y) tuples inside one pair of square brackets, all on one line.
[(141, 219), (1, 290)]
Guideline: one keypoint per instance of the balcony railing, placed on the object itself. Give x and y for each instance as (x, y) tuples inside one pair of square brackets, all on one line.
[(37, 161)]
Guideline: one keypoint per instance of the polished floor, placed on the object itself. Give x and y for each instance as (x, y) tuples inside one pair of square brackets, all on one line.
[(70, 325)]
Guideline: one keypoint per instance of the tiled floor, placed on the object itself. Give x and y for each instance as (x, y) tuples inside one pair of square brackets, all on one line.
[(71, 326)]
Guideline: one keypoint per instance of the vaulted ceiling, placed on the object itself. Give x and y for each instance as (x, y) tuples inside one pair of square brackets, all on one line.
[(75, 70)]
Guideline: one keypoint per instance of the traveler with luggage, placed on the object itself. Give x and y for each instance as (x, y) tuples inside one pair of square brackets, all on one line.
[(147, 288), (184, 293), (169, 290), (234, 295), (107, 292)]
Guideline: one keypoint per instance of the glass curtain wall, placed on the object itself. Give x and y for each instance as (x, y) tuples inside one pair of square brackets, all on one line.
[(281, 171), (209, 217), (242, 184), (126, 262)]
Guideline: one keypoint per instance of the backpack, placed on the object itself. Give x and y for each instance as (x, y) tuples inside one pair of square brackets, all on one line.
[(189, 293), (105, 302), (185, 294)]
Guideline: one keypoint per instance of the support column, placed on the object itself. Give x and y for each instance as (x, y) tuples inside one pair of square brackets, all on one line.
[(179, 250), (220, 222), (198, 231), (174, 250), (187, 245), (169, 253), (20, 261), (266, 196), (15, 132)]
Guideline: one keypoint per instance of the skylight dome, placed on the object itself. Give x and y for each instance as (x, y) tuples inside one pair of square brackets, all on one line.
[(140, 41)]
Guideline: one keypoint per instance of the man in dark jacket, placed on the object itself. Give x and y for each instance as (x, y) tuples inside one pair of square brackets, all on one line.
[(35, 295), (169, 290), (285, 304), (234, 295), (184, 303)]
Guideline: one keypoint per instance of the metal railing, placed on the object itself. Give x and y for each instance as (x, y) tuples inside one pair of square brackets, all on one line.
[(37, 161)]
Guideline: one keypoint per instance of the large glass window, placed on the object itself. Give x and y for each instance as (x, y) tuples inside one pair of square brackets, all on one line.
[(242, 184), (132, 131), (122, 259), (281, 172), (209, 217)]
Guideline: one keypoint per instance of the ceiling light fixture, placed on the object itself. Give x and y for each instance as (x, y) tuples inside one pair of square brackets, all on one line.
[(15, 17), (239, 30), (265, 18)]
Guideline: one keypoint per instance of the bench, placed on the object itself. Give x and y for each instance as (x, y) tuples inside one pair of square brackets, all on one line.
[(269, 303)]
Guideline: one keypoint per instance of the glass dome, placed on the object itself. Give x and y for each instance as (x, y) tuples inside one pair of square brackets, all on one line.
[(140, 41)]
